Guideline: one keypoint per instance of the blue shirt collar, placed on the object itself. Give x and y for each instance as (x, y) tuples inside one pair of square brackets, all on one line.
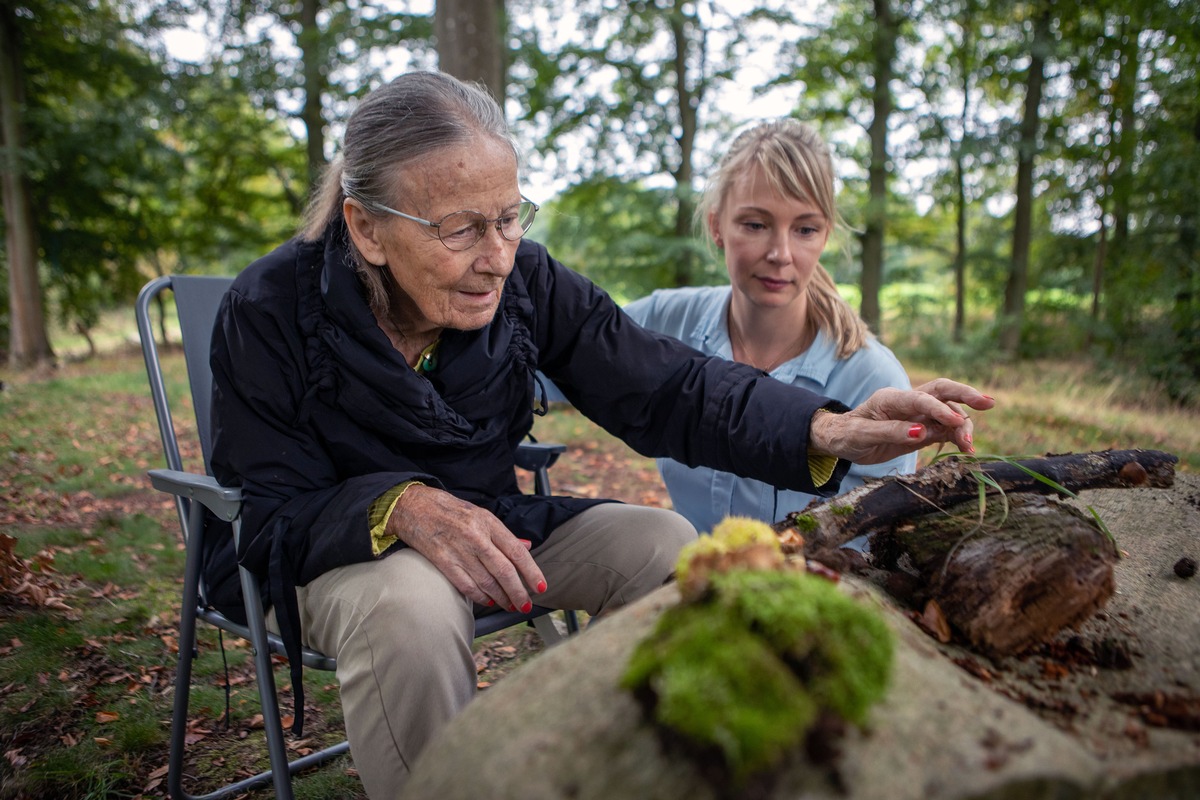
[(816, 363)]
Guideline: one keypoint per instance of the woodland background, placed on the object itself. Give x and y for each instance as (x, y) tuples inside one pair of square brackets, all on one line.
[(1022, 180), (1022, 177)]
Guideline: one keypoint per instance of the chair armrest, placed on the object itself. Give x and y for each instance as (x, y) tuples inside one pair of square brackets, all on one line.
[(224, 501), (533, 456)]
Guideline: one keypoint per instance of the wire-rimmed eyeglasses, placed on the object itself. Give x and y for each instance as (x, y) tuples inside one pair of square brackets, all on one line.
[(462, 229)]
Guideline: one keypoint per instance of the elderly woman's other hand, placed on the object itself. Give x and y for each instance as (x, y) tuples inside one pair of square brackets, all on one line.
[(470, 546), (892, 422)]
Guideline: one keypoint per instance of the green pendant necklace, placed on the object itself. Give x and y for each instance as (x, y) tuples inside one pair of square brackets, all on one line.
[(427, 361)]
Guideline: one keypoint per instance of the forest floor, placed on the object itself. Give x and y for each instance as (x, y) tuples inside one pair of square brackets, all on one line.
[(90, 565)]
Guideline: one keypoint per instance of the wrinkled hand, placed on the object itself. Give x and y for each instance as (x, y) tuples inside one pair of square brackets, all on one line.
[(894, 422), (470, 546)]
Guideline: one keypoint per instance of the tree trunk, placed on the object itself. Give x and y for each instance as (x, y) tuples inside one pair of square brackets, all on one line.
[(29, 343), (1124, 145), (1098, 271), (689, 102), (960, 251), (471, 42), (876, 222), (314, 88), (1185, 310), (1003, 567), (1027, 148), (961, 202)]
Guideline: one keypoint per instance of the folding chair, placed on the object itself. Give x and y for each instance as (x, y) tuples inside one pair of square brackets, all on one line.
[(196, 301)]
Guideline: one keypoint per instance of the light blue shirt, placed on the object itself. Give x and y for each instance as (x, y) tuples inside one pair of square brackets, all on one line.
[(698, 316)]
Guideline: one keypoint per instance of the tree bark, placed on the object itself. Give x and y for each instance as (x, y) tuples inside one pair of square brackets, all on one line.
[(960, 188), (1007, 578), (471, 42), (878, 505), (1027, 149), (314, 88), (29, 343), (977, 546), (689, 102), (876, 222)]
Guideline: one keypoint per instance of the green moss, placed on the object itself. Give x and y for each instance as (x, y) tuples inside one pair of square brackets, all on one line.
[(841, 510), (805, 523), (844, 647), (720, 686), (748, 670)]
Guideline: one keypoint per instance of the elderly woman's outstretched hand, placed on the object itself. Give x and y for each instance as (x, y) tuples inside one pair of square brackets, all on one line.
[(893, 422)]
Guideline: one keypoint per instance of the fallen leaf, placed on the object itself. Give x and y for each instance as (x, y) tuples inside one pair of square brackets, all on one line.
[(107, 716), (934, 622)]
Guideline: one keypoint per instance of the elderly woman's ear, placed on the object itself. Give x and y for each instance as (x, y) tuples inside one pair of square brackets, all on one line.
[(365, 231)]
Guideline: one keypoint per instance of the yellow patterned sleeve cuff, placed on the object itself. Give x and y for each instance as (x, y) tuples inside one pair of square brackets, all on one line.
[(380, 512), (821, 467)]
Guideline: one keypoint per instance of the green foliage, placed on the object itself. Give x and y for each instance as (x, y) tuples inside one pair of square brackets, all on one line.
[(747, 670), (142, 165), (620, 234), (139, 166)]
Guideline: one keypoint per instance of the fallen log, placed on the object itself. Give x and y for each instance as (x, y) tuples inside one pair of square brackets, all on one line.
[(977, 550)]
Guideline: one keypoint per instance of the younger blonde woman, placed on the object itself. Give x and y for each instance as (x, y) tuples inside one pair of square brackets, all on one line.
[(770, 209)]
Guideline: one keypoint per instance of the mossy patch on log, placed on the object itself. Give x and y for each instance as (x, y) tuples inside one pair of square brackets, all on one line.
[(758, 657)]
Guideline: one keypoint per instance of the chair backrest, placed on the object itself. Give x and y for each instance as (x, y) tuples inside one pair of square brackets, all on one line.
[(197, 298)]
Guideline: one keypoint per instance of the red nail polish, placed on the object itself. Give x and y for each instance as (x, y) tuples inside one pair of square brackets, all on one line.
[(491, 602), (541, 587), (511, 607), (528, 544), (916, 431), (525, 609)]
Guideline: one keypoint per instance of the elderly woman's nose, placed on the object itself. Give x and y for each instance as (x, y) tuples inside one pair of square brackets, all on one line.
[(497, 250)]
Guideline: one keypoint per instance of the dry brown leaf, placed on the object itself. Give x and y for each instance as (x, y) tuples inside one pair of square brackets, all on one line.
[(107, 716), (934, 622)]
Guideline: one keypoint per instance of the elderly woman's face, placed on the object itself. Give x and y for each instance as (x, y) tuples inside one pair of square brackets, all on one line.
[(438, 287)]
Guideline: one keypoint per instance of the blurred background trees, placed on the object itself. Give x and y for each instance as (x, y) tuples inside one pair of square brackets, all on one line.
[(1022, 177)]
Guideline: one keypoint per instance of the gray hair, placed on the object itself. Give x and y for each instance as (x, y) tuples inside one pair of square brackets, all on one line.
[(401, 122)]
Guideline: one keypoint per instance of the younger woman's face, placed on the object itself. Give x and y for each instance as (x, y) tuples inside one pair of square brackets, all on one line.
[(772, 243)]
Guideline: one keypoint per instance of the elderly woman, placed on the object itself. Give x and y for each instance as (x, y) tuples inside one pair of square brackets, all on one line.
[(373, 378), (770, 208)]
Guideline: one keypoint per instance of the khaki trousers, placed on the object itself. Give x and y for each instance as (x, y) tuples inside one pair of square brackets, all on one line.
[(402, 633)]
